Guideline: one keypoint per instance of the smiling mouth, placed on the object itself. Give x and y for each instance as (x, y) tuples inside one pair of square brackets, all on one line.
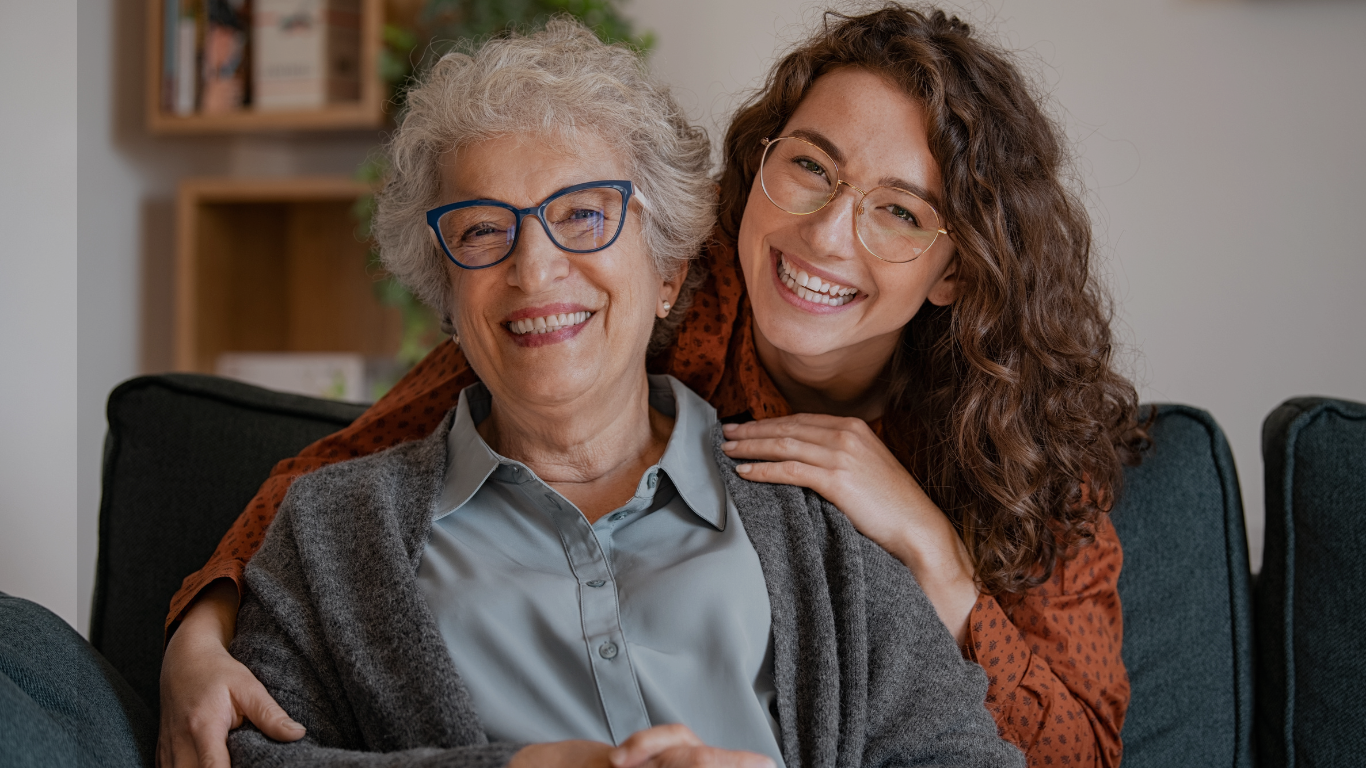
[(813, 289), (534, 326)]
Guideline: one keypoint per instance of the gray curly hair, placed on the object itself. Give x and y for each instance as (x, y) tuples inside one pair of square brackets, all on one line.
[(560, 83)]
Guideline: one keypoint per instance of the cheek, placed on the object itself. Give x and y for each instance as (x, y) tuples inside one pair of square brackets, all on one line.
[(754, 228)]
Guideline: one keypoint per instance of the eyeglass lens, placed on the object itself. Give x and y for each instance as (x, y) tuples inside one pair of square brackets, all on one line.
[(585, 220), (893, 224)]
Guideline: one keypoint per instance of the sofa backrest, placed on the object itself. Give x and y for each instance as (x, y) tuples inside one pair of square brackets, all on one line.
[(183, 456), (185, 453), (1311, 629), (1184, 589)]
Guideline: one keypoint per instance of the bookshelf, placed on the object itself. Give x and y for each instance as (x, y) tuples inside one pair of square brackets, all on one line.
[(274, 265), (366, 113)]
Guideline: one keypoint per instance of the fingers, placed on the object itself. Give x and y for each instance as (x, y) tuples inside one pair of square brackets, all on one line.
[(781, 439), (641, 746), (782, 449), (210, 744), (256, 705), (790, 425)]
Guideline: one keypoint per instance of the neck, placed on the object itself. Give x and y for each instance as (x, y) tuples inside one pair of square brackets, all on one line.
[(593, 453), (841, 382)]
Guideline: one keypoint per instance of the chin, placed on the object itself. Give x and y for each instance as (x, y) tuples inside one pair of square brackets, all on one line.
[(797, 333)]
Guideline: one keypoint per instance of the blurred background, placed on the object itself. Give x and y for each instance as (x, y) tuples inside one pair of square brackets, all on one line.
[(165, 214)]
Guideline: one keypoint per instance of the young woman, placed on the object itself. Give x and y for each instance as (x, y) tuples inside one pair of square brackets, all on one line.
[(899, 291)]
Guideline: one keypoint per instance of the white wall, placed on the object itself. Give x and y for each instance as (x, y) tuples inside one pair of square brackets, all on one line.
[(1219, 137), (1222, 144), (38, 306), (126, 199)]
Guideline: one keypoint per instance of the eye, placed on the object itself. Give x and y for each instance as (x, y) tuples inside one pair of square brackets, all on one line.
[(583, 214), (482, 229), (903, 214), (810, 166)]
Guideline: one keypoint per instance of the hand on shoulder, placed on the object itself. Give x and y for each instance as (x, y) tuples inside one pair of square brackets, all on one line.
[(843, 460)]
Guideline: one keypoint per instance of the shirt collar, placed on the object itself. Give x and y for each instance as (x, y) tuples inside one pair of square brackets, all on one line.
[(687, 458)]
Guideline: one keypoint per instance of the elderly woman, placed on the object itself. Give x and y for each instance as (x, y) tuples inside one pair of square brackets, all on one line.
[(569, 571)]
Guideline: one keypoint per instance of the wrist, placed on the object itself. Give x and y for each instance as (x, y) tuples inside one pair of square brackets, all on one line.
[(212, 615)]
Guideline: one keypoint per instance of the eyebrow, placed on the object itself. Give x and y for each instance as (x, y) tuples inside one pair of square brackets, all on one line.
[(819, 139), (822, 141)]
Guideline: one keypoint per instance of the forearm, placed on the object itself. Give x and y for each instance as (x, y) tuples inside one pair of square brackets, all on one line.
[(1042, 695), (1045, 720), (940, 562)]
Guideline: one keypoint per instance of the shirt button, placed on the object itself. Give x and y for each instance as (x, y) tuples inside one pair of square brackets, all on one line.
[(596, 583), (618, 517), (650, 481), (608, 650)]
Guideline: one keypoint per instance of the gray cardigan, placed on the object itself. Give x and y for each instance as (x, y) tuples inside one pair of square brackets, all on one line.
[(334, 625)]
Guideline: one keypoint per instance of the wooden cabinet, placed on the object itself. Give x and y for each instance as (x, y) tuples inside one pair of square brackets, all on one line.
[(274, 265), (365, 113)]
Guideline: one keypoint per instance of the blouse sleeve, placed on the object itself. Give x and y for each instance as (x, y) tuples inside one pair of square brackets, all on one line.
[(410, 410), (1057, 685)]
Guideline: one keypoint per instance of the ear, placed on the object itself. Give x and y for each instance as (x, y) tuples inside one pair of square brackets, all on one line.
[(669, 290), (945, 289)]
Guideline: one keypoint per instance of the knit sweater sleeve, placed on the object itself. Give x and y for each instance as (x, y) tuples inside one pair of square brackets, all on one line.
[(345, 649), (918, 681), (289, 675)]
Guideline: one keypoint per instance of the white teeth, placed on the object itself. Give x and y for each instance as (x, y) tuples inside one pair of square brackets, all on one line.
[(548, 323), (814, 289)]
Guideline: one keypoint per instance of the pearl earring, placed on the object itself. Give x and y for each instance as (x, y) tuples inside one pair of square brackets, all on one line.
[(666, 307)]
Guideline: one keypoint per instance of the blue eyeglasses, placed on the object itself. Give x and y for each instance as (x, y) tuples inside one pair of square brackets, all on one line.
[(584, 218)]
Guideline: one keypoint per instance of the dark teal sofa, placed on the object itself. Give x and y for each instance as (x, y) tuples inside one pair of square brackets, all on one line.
[(185, 454)]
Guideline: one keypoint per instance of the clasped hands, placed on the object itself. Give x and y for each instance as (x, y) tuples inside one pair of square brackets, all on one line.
[(664, 746)]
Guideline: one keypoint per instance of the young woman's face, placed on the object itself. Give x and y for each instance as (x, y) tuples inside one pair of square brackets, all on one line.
[(876, 135)]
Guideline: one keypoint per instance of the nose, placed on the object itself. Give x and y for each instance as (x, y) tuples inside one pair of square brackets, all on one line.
[(830, 231), (537, 263)]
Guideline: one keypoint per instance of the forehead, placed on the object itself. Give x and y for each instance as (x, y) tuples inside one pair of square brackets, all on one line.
[(524, 169), (877, 127)]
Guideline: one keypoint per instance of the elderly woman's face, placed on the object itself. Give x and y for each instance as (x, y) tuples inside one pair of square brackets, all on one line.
[(601, 306)]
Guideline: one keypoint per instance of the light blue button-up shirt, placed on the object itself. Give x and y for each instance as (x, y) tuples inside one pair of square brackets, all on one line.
[(657, 613)]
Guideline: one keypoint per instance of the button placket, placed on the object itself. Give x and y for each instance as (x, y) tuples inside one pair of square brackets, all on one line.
[(599, 608)]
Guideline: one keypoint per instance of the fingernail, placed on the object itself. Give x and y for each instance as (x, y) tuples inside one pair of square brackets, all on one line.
[(295, 726), (729, 427), (743, 469), (729, 445), (616, 756)]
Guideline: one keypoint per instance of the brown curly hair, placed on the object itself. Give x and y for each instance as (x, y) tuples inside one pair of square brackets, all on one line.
[(1003, 404)]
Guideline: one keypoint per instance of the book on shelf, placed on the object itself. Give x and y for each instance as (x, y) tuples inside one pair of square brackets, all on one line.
[(333, 375), (307, 53), (222, 56), (226, 27), (180, 57)]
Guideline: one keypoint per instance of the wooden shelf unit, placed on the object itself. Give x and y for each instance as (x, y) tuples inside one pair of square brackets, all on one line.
[(273, 265), (367, 113)]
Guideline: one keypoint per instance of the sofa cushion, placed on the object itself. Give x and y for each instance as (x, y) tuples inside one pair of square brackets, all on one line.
[(60, 702), (1184, 589), (183, 456), (1311, 628)]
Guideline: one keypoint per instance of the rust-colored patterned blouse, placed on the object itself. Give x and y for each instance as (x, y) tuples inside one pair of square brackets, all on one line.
[(1057, 685)]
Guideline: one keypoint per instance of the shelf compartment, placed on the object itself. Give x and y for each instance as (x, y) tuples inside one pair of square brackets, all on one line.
[(275, 265)]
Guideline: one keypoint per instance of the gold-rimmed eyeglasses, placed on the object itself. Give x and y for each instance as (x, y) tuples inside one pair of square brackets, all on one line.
[(893, 224)]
